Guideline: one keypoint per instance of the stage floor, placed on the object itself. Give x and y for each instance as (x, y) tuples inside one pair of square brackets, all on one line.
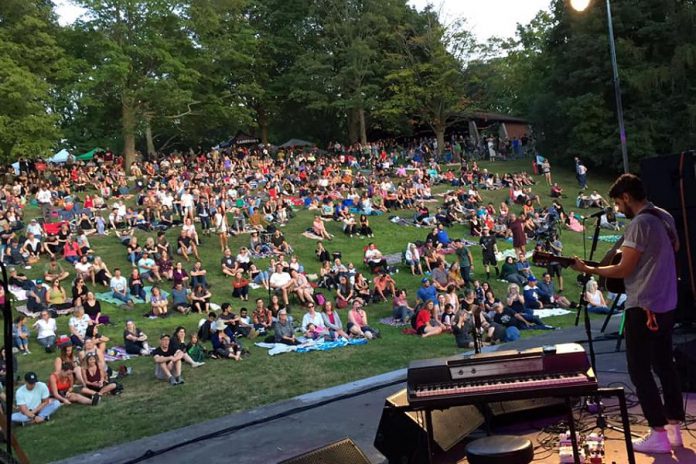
[(283, 430)]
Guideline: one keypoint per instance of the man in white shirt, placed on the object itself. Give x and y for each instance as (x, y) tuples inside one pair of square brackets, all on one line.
[(281, 281), (33, 401), (119, 287)]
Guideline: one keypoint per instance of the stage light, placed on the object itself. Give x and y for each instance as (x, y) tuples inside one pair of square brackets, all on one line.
[(579, 5)]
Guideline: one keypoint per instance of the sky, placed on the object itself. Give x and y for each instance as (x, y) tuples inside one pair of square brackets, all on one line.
[(487, 18)]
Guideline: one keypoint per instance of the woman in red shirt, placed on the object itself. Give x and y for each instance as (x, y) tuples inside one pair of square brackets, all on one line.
[(60, 385), (426, 321)]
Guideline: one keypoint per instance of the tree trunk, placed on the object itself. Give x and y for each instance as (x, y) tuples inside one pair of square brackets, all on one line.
[(363, 128), (262, 121), (440, 136), (151, 152), (128, 126), (353, 126)]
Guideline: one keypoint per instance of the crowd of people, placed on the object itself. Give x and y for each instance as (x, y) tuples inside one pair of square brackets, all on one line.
[(242, 192)]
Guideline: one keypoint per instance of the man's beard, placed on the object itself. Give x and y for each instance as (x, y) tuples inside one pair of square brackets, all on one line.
[(630, 214)]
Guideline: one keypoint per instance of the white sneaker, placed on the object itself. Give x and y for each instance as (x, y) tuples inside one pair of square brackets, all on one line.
[(674, 435), (655, 442)]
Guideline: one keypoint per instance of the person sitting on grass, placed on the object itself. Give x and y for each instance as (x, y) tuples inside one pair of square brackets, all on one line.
[(136, 284), (319, 228), (595, 299), (159, 304), (313, 323), (262, 317), (240, 286), (148, 269), (168, 361), (46, 335), (374, 258), (549, 296), (178, 342), (181, 299), (413, 258), (224, 345), (463, 328), (54, 271), (200, 299), (357, 322), (384, 286), (283, 329), (68, 354), (61, 384), (20, 334), (427, 322), (135, 340), (281, 281), (509, 272), (186, 246), (332, 321), (119, 288), (198, 275), (301, 287), (34, 402), (516, 302), (97, 381), (78, 324), (401, 311)]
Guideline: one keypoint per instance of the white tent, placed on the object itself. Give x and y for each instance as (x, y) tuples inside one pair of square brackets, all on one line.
[(60, 157)]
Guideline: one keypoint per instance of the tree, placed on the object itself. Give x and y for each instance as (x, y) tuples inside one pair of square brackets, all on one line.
[(431, 84), (136, 53), (32, 64)]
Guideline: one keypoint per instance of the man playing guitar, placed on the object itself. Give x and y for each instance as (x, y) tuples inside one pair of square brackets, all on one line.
[(648, 268)]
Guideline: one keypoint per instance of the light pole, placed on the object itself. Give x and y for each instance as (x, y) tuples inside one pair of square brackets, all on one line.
[(581, 5)]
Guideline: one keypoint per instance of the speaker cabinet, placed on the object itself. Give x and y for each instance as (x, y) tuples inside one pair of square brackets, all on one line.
[(340, 452)]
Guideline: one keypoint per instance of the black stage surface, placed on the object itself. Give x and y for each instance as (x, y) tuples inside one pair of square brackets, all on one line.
[(282, 430)]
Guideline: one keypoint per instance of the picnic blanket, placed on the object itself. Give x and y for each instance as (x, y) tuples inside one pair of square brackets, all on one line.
[(393, 322), (18, 292), (392, 259), (309, 345), (374, 212), (311, 235), (24, 310), (607, 238), (503, 255), (108, 297), (117, 353), (549, 312)]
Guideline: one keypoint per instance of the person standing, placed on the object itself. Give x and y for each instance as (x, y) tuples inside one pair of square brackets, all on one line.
[(647, 256), (466, 261), (489, 248)]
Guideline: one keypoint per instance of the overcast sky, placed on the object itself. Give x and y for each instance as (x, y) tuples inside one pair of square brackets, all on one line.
[(486, 17)]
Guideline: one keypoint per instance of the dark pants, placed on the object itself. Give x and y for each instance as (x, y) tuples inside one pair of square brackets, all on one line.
[(648, 352), (465, 271)]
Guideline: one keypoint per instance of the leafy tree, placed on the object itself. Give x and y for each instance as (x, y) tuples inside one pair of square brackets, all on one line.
[(431, 83), (32, 64)]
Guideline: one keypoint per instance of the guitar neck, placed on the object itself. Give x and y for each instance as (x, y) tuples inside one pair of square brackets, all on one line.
[(543, 258)]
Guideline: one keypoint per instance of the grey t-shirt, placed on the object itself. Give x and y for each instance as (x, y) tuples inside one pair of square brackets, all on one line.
[(653, 284)]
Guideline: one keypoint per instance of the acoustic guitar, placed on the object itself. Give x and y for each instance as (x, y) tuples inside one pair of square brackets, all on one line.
[(542, 258)]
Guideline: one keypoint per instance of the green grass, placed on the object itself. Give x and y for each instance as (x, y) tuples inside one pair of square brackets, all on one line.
[(149, 407)]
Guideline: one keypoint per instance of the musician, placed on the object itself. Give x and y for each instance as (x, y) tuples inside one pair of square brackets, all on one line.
[(647, 256)]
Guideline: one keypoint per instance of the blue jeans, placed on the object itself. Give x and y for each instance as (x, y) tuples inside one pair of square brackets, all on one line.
[(47, 342), (402, 313), (47, 410), (121, 296), (598, 309)]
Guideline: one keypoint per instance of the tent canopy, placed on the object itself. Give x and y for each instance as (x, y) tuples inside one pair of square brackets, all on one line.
[(297, 143), (60, 157), (90, 154)]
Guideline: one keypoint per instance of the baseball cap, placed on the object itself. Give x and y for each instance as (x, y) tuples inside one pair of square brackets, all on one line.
[(31, 377), (424, 280), (532, 279)]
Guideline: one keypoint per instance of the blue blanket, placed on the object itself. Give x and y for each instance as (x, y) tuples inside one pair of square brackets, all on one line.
[(108, 297)]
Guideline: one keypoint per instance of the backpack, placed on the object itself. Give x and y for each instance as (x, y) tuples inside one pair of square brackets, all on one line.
[(320, 298), (204, 333)]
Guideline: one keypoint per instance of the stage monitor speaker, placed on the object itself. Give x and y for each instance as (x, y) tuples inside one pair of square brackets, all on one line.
[(340, 452), (685, 359), (663, 178), (401, 436)]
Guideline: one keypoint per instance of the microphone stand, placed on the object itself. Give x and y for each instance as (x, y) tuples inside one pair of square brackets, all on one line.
[(9, 361), (601, 423), (475, 331)]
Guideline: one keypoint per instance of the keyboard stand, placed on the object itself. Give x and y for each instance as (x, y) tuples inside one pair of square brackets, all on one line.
[(617, 392)]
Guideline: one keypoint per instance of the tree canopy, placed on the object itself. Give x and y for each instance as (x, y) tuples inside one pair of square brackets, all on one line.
[(155, 75)]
